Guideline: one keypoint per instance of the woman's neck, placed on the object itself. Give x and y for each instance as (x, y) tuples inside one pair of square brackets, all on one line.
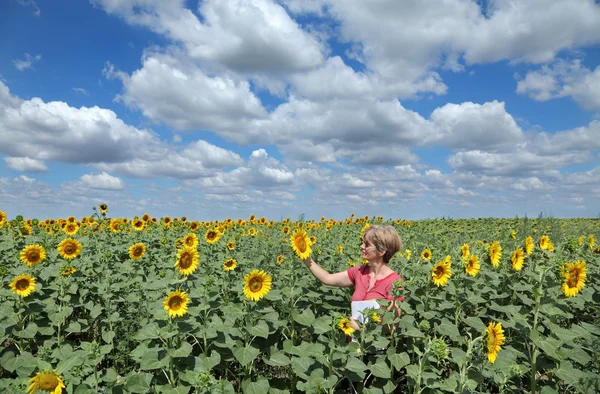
[(378, 267)]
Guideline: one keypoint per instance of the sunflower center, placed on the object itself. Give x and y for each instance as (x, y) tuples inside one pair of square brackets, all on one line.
[(438, 272), (189, 242), (185, 261), (22, 284), (491, 340), (426, 255), (33, 256), (573, 279), (175, 303), (138, 251), (211, 235), (255, 284), (47, 381), (301, 244), (69, 248)]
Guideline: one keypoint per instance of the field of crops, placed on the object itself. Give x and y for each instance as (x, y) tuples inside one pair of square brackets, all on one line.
[(173, 305)]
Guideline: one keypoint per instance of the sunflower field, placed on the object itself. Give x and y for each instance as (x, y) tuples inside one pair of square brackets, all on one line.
[(146, 305)]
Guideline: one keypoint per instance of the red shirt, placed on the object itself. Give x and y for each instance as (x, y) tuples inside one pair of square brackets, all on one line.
[(359, 276)]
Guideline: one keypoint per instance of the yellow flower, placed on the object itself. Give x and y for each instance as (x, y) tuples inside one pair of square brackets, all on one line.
[(472, 266), (441, 273), (103, 208), (344, 325), (71, 228), (194, 226), (286, 230), (592, 241), (32, 255), (191, 241), (550, 246), (301, 244), (362, 232), (115, 225), (212, 236), (574, 275), (495, 253), (231, 245), (187, 261), (138, 225), (351, 263), (136, 251), (280, 259), (2, 218), (69, 248), (544, 240), (465, 252), (529, 245), (340, 249), (68, 271), (230, 265), (23, 285), (580, 241), (252, 231), (176, 303), (257, 284), (375, 317), (312, 239), (426, 255), (495, 339), (513, 234), (517, 259), (408, 254), (48, 381)]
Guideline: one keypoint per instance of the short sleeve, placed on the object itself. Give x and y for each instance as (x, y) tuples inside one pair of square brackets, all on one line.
[(352, 272)]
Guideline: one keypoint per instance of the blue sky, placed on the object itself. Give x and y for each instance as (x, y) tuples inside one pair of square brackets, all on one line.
[(217, 109)]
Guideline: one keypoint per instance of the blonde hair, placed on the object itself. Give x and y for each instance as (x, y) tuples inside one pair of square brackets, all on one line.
[(384, 238)]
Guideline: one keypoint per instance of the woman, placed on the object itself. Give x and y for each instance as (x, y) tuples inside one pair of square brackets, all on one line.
[(374, 280)]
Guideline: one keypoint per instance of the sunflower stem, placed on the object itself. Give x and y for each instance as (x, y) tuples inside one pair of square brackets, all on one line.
[(534, 349)]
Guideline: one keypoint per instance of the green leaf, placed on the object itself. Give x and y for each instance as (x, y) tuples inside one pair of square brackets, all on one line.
[(153, 358), (184, 350), (96, 311), (354, 364), (139, 382), (261, 386), (245, 355), (306, 318), (568, 374), (399, 360), (300, 365), (29, 332), (108, 336), (66, 364), (322, 325), (459, 356), (261, 329), (380, 369), (449, 329), (151, 331), (475, 323), (277, 359)]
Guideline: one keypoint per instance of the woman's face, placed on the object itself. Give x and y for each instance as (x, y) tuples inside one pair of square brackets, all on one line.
[(369, 251)]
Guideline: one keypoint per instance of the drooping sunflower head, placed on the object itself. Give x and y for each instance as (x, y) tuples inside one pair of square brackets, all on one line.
[(300, 244), (529, 245), (190, 240), (472, 266), (103, 208), (544, 240), (136, 251), (230, 265), (340, 248), (495, 339), (426, 255), (48, 381), (441, 273), (176, 304), (574, 275), (69, 248), (257, 284), (280, 259), (465, 252), (345, 326), (592, 241), (212, 236), (32, 255), (495, 253), (23, 285), (187, 261), (517, 259)]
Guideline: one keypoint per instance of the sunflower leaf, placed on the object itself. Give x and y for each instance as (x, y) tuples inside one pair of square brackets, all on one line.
[(261, 386), (245, 355), (261, 329), (399, 360), (306, 318), (380, 369)]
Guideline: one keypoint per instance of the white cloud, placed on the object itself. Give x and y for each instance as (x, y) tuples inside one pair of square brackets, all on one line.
[(103, 181), (25, 164), (81, 91), (27, 62), (30, 3), (563, 79)]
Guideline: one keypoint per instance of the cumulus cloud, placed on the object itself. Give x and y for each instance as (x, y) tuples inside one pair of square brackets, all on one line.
[(102, 181), (27, 62), (25, 164)]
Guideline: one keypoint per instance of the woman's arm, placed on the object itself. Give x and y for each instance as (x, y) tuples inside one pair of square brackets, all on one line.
[(339, 279)]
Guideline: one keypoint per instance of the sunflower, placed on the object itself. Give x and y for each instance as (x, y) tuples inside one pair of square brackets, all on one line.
[(365, 227), (592, 241), (167, 220), (69, 248), (280, 259), (375, 317), (190, 241), (544, 240), (231, 245), (138, 225), (408, 254), (574, 275), (176, 303), (472, 266), (286, 230), (529, 245), (252, 231), (146, 217), (194, 226), (257, 284), (23, 285), (312, 239), (597, 250), (465, 252), (513, 234), (426, 255), (48, 381), (115, 225), (495, 339), (32, 255), (301, 244), (136, 251), (344, 325), (71, 228), (340, 249), (550, 246), (495, 253), (212, 236), (441, 273), (2, 218), (517, 259), (230, 265), (68, 271), (187, 261)]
